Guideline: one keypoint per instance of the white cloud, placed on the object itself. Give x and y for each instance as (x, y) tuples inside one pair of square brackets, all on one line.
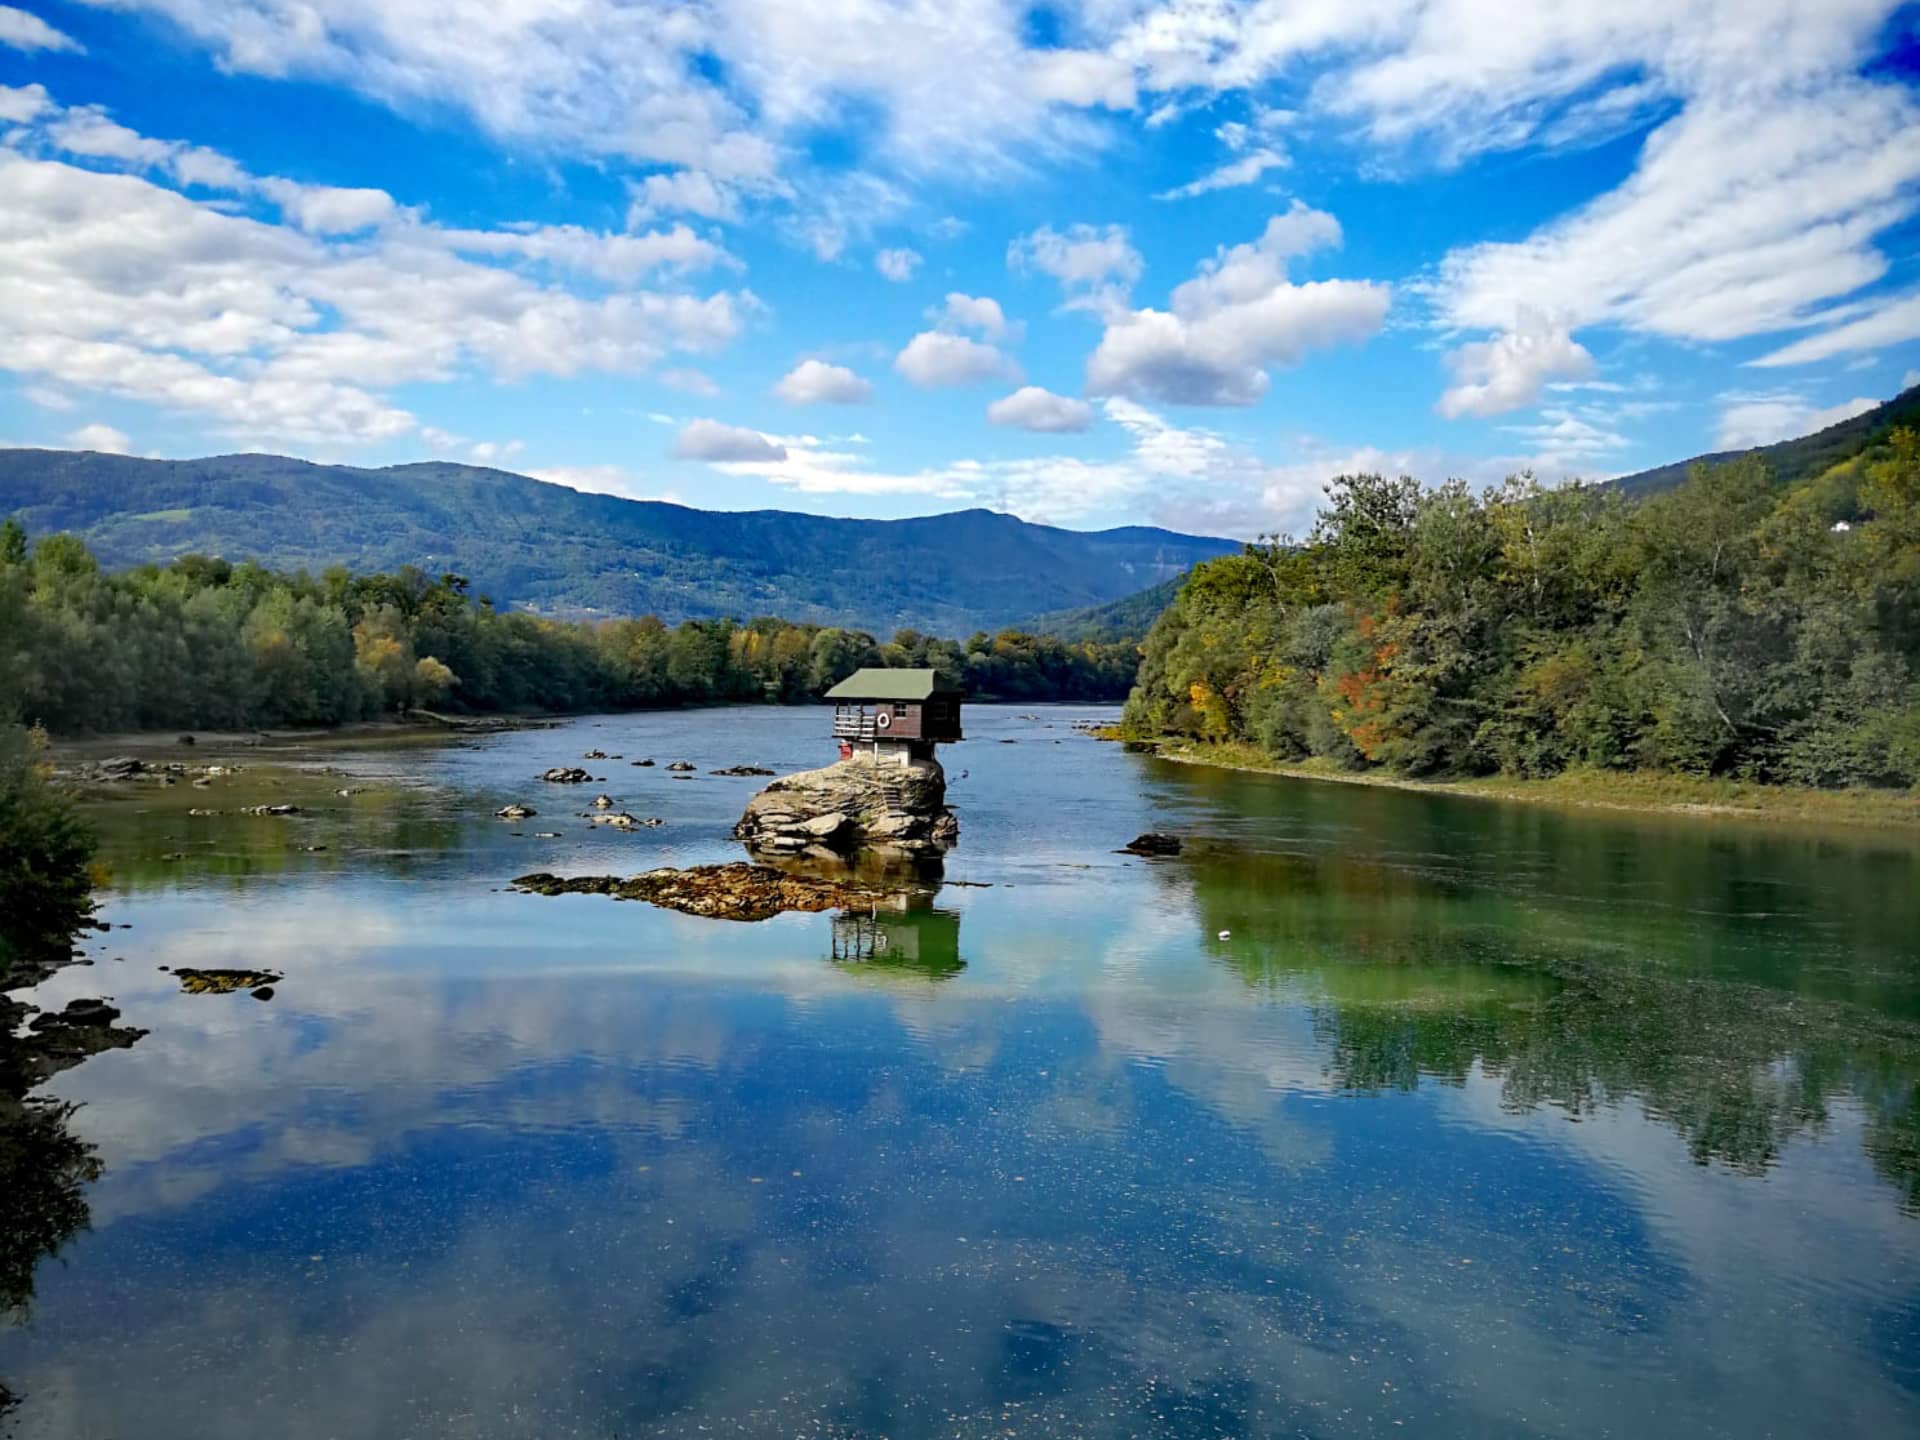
[(712, 441), (732, 91), (1747, 420), (1186, 477), (1888, 322), (330, 209), (815, 382), (693, 192), (23, 31), (1237, 316), (1243, 171), (1042, 411), (936, 358), (978, 313), (1507, 372), (1097, 268), (1910, 379), (115, 284), (22, 103), (897, 265), (1084, 78), (104, 438), (602, 480), (1562, 441)]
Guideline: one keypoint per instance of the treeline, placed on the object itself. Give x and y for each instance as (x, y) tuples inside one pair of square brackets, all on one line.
[(1728, 627), (207, 644)]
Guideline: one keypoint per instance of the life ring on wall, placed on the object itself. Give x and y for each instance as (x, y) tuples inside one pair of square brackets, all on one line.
[(882, 721)]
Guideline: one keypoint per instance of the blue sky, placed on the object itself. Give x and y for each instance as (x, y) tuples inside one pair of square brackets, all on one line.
[(1121, 261)]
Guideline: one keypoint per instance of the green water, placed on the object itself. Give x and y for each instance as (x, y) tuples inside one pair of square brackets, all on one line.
[(1372, 1113)]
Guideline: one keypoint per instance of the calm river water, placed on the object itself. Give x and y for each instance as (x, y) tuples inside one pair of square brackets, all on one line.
[(1374, 1113)]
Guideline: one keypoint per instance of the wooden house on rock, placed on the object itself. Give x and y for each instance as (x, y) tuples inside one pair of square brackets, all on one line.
[(894, 713)]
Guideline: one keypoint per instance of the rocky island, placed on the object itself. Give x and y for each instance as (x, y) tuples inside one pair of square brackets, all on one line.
[(859, 803)]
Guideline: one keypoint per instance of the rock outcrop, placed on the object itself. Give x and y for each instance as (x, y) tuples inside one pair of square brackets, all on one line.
[(719, 892), (854, 804)]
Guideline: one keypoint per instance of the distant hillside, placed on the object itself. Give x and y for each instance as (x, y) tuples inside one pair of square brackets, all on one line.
[(1795, 460), (1125, 619), (528, 543)]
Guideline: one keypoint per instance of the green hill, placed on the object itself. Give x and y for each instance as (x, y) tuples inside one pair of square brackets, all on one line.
[(528, 543), (1128, 618), (1790, 461)]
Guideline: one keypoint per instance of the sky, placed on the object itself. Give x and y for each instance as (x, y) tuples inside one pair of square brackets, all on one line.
[(1171, 262)]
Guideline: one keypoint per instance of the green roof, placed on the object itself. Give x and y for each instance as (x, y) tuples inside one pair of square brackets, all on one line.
[(872, 684)]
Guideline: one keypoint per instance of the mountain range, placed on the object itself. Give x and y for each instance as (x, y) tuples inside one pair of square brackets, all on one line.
[(528, 543)]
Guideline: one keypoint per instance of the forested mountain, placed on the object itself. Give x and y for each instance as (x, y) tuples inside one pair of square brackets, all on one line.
[(1790, 461), (1128, 618), (526, 543), (1735, 624)]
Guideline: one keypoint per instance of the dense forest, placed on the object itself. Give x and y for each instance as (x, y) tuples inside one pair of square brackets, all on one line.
[(1734, 625), (204, 643)]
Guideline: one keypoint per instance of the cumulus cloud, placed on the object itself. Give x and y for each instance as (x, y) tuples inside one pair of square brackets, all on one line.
[(1096, 267), (1747, 420), (330, 209), (897, 265), (1235, 318), (20, 30), (21, 103), (116, 284), (693, 192), (104, 438), (712, 441), (815, 382), (1042, 411), (936, 358), (978, 313), (1084, 78), (1507, 372)]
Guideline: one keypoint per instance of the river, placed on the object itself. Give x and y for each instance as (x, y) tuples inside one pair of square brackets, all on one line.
[(1372, 1113)]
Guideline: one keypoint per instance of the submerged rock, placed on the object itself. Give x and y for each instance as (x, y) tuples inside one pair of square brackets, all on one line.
[(1152, 843), (853, 804), (744, 770), (685, 766), (515, 811), (566, 775), (224, 982), (721, 892), (621, 820), (603, 802)]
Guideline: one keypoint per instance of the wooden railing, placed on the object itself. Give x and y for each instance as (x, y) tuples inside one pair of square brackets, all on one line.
[(851, 724)]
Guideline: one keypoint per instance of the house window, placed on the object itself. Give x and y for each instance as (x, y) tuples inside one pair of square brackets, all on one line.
[(899, 711)]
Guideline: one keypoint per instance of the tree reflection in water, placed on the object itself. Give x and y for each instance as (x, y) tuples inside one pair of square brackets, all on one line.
[(1409, 975)]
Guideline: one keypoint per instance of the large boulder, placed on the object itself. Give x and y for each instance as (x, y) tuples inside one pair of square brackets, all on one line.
[(852, 805)]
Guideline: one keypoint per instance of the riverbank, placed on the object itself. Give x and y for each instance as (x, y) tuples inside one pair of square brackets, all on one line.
[(1646, 793)]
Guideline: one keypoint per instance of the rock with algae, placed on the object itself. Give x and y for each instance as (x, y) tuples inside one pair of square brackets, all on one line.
[(723, 892)]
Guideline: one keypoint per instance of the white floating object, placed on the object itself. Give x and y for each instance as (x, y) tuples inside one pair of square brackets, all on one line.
[(1226, 934)]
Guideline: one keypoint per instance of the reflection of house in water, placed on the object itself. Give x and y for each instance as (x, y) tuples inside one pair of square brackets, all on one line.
[(903, 940)]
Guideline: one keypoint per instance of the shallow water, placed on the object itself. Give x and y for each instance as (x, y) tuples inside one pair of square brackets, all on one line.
[(1373, 1113)]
